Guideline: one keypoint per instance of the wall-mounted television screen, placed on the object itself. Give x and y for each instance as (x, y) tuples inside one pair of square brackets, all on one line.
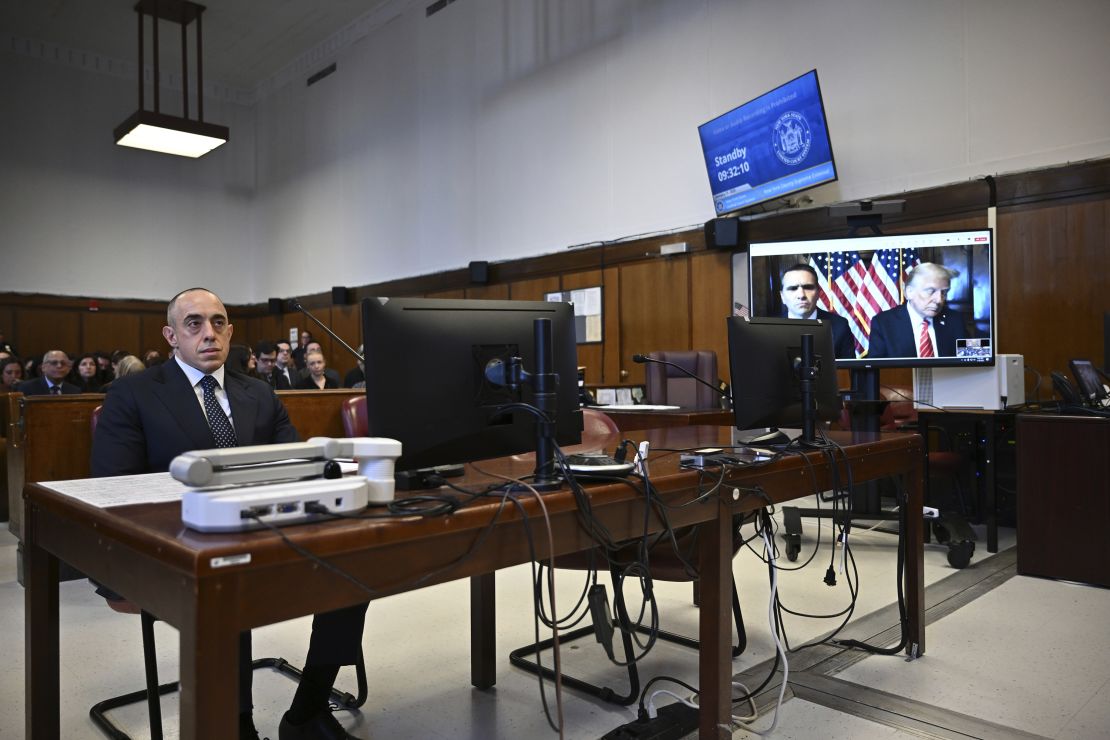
[(770, 147), (905, 300)]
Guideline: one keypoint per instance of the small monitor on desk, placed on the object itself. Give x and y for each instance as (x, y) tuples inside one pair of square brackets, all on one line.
[(765, 358), (426, 381)]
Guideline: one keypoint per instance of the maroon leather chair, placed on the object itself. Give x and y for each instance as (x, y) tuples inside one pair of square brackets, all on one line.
[(668, 385), (353, 412)]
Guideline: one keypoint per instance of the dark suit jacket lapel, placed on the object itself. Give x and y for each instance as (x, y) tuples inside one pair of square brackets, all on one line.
[(243, 408), (910, 348), (179, 398)]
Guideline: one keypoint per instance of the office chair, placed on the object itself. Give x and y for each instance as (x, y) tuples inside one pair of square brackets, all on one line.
[(668, 385), (597, 423), (153, 691), (665, 565), (353, 413)]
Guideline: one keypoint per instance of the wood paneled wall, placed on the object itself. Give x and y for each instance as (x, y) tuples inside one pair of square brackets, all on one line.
[(1053, 255)]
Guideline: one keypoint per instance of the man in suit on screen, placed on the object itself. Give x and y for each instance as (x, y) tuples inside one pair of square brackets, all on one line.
[(799, 297), (193, 402), (923, 326)]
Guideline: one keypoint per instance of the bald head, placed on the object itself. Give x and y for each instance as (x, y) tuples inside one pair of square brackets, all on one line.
[(197, 328)]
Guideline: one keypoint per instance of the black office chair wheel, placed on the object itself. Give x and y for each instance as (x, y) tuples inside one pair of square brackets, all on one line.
[(959, 553)]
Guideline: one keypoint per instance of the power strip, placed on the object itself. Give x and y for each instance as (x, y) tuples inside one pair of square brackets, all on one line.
[(236, 509)]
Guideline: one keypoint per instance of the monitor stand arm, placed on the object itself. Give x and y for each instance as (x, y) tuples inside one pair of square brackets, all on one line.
[(807, 375), (544, 383)]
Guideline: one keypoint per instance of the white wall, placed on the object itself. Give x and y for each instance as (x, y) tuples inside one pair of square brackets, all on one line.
[(500, 129)]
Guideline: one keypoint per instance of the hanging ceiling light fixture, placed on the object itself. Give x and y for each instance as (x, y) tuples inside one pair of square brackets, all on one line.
[(161, 132)]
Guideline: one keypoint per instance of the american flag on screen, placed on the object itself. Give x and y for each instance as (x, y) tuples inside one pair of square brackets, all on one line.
[(840, 276), (884, 286)]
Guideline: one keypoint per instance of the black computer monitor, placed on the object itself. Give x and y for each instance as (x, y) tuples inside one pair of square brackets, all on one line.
[(765, 357), (1090, 385), (426, 384)]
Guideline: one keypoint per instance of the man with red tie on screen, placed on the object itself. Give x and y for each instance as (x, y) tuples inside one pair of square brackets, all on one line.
[(190, 402), (923, 326)]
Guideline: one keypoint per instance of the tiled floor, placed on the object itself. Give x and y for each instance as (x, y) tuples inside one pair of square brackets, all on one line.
[(1006, 657)]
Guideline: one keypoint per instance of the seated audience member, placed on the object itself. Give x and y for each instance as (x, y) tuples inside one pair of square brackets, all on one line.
[(5, 346), (55, 367), (923, 326), (152, 357), (86, 374), (356, 374), (105, 363), (332, 375), (31, 367), (240, 359), (317, 379), (265, 353), (4, 354), (283, 364), (116, 356), (191, 403), (11, 374), (302, 349), (127, 365)]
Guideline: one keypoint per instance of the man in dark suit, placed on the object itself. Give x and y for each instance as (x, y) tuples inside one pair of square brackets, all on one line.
[(266, 354), (799, 297), (193, 402), (283, 364), (923, 326), (55, 367)]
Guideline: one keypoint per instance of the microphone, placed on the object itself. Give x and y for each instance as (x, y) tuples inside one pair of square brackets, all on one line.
[(295, 304), (641, 359)]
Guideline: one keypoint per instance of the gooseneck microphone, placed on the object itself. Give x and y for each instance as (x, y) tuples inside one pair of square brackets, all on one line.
[(641, 359), (295, 304)]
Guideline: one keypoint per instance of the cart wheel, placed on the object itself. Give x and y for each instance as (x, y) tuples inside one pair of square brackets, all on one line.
[(959, 554), (793, 546)]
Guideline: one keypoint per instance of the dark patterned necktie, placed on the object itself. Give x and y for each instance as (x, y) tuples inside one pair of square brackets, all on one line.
[(56, 390), (217, 419)]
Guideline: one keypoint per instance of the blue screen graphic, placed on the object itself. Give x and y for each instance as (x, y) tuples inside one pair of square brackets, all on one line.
[(769, 147)]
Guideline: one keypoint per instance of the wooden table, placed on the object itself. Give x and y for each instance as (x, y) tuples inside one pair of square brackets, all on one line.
[(634, 420), (144, 553)]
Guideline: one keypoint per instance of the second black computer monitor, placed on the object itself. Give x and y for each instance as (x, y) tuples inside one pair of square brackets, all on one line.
[(426, 384)]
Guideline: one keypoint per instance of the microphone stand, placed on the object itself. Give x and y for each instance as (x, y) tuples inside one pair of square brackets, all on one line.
[(641, 359), (295, 303)]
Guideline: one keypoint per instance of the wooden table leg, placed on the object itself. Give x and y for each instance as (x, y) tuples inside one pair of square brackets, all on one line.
[(40, 647), (483, 628), (715, 626), (209, 671)]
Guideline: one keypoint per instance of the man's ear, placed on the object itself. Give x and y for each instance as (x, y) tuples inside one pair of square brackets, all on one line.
[(170, 336)]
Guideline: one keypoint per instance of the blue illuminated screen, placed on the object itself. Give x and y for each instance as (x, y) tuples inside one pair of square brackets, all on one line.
[(770, 147)]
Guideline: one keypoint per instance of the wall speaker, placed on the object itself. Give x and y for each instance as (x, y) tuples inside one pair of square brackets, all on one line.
[(479, 273), (276, 305), (340, 296), (726, 233)]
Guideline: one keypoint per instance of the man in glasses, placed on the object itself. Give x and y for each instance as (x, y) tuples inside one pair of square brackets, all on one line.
[(799, 296), (55, 367)]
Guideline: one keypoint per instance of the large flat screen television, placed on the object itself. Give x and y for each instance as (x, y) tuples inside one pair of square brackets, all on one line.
[(426, 381), (880, 293), (770, 147)]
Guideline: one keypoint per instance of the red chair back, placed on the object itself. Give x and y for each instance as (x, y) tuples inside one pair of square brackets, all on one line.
[(355, 423), (599, 423)]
